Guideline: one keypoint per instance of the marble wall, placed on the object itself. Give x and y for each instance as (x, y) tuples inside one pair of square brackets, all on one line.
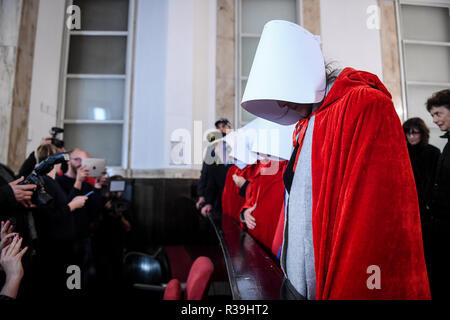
[(17, 36), (311, 16), (225, 60), (22, 84), (390, 53), (10, 11)]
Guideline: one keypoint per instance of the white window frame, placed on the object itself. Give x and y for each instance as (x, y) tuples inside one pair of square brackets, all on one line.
[(403, 42), (64, 76), (238, 35)]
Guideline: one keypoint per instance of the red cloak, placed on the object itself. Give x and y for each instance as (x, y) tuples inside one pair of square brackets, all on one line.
[(232, 202), (365, 210), (267, 192), (278, 236)]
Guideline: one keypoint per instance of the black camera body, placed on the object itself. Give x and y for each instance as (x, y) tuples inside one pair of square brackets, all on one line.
[(40, 197), (56, 142)]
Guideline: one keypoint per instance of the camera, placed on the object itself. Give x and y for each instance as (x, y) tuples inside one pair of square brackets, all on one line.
[(56, 142), (40, 197)]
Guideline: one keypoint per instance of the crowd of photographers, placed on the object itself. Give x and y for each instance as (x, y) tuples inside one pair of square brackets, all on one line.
[(57, 221)]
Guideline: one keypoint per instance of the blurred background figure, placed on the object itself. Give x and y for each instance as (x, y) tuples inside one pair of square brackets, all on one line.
[(55, 227), (217, 174), (223, 127), (110, 235), (29, 164), (424, 158)]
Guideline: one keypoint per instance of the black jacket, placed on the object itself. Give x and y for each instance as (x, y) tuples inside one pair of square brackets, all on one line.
[(7, 198), (84, 216), (202, 183), (440, 202), (10, 209), (54, 221), (216, 182), (27, 166), (424, 160)]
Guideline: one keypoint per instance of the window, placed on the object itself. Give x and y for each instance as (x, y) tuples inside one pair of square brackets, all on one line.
[(251, 16), (425, 43), (96, 80)]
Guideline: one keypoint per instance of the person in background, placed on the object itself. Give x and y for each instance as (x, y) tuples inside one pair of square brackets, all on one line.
[(236, 182), (438, 105), (233, 196), (75, 179), (217, 174), (15, 206), (265, 194), (11, 192), (264, 201), (224, 127), (110, 235), (424, 157), (55, 229), (29, 164)]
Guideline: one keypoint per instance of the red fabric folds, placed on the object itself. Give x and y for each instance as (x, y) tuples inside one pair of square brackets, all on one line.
[(365, 207), (278, 236), (232, 202), (266, 190)]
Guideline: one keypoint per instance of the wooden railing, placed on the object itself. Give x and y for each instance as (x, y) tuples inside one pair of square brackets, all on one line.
[(252, 273)]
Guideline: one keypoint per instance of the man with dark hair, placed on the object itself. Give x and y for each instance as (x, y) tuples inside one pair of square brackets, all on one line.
[(217, 173), (224, 127), (439, 107)]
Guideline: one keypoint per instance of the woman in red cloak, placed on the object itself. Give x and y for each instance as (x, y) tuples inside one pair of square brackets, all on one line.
[(352, 228)]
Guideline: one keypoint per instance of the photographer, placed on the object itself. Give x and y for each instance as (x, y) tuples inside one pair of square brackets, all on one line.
[(12, 193), (29, 164), (110, 233), (15, 199), (54, 225), (75, 179)]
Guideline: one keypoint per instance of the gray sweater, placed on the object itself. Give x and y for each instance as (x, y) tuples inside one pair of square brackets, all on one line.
[(297, 255)]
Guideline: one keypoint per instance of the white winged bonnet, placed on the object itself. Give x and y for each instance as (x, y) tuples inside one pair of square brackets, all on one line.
[(288, 66)]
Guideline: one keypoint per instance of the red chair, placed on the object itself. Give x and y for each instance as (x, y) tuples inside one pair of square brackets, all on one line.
[(173, 290), (197, 281)]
